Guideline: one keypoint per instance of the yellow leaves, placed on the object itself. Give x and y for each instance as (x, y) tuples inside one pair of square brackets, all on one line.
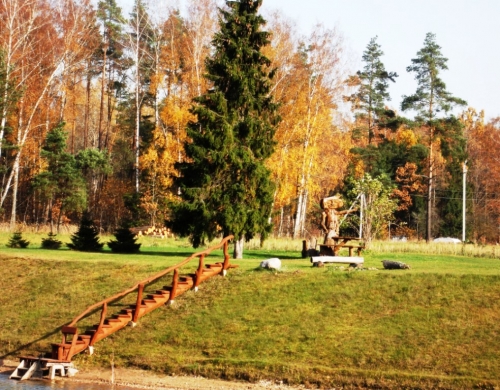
[(176, 116), (406, 136), (359, 169)]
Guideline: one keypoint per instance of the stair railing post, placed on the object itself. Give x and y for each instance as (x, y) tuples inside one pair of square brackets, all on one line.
[(173, 289), (199, 272), (135, 318), (225, 266), (73, 344), (101, 322)]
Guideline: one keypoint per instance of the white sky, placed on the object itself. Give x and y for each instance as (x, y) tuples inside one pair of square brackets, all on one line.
[(467, 31)]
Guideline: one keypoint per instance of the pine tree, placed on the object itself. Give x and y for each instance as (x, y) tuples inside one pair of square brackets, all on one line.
[(17, 241), (224, 184), (373, 80), (114, 64), (429, 100), (125, 240), (86, 239)]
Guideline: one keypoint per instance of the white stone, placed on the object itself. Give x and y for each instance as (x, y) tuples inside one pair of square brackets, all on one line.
[(448, 240), (273, 263)]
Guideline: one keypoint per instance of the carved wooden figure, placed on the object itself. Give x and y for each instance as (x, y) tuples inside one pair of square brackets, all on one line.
[(330, 221)]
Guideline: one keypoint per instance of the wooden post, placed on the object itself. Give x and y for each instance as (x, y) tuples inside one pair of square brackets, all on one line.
[(138, 303), (173, 291), (225, 266), (304, 249), (99, 327), (199, 272)]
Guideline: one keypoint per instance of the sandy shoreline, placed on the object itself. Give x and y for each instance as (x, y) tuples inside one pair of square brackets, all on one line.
[(142, 379)]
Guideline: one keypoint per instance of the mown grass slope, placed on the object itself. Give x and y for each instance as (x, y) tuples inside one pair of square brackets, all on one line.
[(434, 326)]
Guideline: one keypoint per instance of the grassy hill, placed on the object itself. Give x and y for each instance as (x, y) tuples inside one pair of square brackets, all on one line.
[(434, 326)]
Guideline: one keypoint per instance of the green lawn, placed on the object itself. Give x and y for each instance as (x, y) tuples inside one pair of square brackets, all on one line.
[(434, 326)]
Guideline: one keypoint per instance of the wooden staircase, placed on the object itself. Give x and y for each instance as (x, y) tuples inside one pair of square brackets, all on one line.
[(73, 342)]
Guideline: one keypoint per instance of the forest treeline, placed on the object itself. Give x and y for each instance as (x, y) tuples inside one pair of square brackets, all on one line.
[(94, 106)]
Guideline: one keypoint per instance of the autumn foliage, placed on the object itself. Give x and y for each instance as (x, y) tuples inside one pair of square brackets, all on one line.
[(118, 89)]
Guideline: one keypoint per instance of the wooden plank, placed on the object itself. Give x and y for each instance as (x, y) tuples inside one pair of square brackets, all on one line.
[(338, 259)]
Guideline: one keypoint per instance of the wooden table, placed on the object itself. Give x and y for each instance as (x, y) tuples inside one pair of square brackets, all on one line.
[(338, 243)]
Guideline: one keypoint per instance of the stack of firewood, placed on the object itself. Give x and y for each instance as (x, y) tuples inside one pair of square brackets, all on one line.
[(152, 231)]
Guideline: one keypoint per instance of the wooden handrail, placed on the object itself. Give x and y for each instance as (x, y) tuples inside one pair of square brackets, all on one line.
[(223, 244)]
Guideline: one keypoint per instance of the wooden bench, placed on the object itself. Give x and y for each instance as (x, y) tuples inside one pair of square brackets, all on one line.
[(358, 248), (333, 250)]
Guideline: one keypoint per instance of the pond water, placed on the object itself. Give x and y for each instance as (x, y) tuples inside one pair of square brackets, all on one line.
[(9, 384)]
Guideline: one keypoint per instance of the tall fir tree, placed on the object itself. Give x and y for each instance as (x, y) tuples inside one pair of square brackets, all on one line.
[(431, 98), (373, 83), (86, 238), (224, 184), (126, 241)]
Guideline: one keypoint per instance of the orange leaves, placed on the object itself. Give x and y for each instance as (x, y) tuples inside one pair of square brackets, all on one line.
[(409, 183)]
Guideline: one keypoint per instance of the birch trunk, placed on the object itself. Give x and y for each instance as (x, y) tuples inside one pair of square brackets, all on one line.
[(238, 248)]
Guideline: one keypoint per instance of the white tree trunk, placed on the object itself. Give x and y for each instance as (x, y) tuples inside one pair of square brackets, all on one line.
[(238, 248), (298, 214)]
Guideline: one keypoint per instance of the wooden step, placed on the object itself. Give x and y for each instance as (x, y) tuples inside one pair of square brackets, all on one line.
[(114, 321), (103, 327), (141, 306), (157, 296)]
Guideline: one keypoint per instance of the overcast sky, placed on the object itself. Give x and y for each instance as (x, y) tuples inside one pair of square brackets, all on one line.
[(467, 31)]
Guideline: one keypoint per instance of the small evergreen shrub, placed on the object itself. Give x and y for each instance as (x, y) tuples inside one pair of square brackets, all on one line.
[(51, 242), (125, 240), (86, 239), (17, 241)]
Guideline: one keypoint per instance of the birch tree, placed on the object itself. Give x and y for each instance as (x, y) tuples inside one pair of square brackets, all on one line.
[(44, 40)]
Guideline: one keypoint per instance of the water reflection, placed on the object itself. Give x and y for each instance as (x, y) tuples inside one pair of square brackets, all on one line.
[(8, 384)]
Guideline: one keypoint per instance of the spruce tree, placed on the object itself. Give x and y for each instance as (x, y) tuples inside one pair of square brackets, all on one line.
[(17, 241), (86, 239), (61, 182), (431, 98), (373, 82), (224, 184), (50, 242), (125, 240)]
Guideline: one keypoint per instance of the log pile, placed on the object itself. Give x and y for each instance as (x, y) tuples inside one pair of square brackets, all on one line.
[(152, 231)]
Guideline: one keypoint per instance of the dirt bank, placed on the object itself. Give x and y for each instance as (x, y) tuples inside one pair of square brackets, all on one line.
[(146, 380)]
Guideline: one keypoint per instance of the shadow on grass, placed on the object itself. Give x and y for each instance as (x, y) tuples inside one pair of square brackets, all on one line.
[(184, 255), (31, 343), (265, 256)]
